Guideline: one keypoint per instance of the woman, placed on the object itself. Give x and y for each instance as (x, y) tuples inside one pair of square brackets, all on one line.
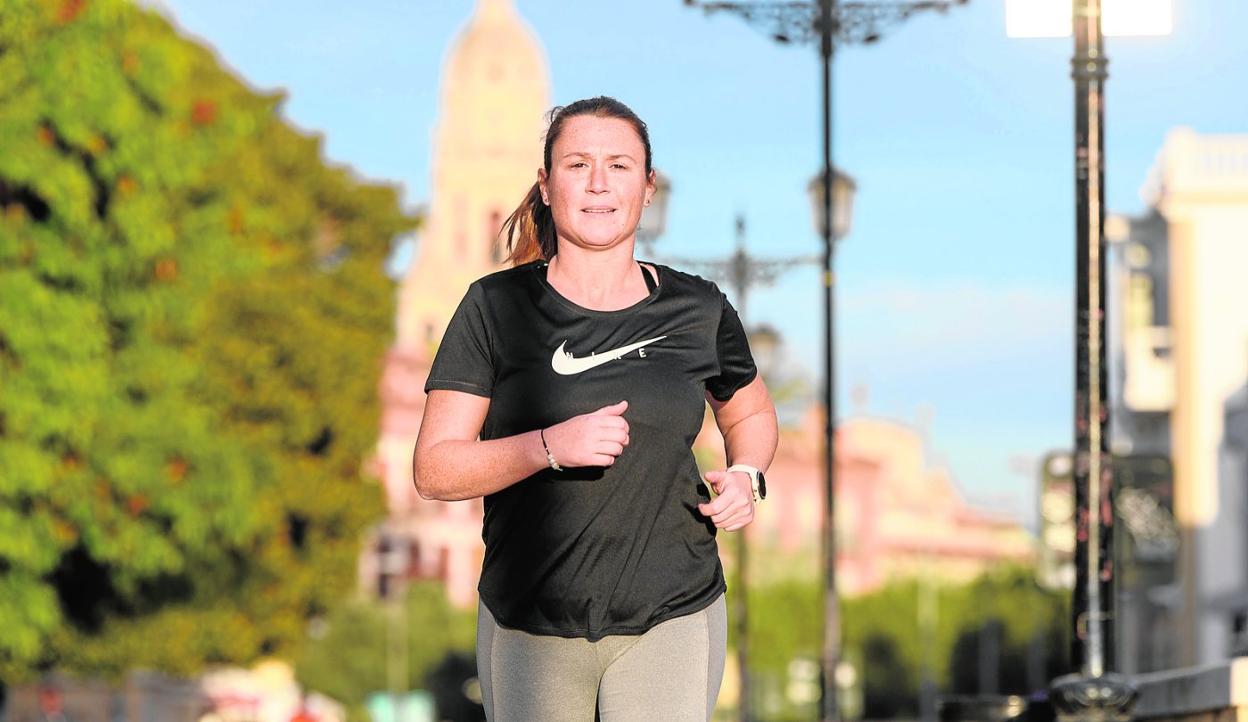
[(584, 374)]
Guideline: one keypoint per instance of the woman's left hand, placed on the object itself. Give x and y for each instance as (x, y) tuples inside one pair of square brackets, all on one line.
[(733, 508)]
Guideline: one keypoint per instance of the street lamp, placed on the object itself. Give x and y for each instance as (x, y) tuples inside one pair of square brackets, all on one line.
[(830, 23), (1053, 18), (843, 190), (765, 348), (1094, 692), (742, 271)]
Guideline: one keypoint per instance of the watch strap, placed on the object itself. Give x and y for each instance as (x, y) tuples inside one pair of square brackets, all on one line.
[(753, 473)]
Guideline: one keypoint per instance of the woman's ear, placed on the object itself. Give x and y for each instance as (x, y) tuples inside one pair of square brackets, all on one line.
[(541, 185)]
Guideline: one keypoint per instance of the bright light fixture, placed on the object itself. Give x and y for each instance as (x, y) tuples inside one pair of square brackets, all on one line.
[(1051, 18)]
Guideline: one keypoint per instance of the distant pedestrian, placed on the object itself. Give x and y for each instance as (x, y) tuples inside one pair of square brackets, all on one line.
[(52, 704)]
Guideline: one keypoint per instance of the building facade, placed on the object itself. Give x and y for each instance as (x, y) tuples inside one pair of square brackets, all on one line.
[(1180, 350), (1233, 468), (897, 516), (495, 90)]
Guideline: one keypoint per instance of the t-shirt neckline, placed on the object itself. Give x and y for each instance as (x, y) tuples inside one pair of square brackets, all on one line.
[(541, 267)]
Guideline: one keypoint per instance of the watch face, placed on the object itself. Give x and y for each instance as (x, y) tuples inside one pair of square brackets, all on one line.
[(762, 486)]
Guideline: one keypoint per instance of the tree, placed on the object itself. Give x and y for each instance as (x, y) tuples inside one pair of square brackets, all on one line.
[(1002, 612), (192, 313), (348, 661), (1011, 635), (882, 673)]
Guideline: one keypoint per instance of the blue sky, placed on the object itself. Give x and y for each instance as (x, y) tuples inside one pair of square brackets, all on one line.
[(956, 283)]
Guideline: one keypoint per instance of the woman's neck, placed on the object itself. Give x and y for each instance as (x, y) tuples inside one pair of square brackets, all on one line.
[(600, 280)]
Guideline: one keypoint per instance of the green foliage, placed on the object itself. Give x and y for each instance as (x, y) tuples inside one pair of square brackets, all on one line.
[(192, 310), (884, 638), (1018, 615), (784, 625), (881, 631), (886, 631), (785, 621), (348, 661)]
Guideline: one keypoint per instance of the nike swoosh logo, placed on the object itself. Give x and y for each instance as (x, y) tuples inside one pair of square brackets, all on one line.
[(566, 364)]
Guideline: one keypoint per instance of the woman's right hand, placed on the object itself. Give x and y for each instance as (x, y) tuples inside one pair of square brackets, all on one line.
[(592, 439)]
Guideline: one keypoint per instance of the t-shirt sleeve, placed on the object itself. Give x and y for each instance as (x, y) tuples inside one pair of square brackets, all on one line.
[(736, 364), (464, 361)]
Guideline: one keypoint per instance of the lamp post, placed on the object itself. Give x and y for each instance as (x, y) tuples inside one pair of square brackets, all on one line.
[(392, 570), (843, 190), (830, 23), (742, 271), (831, 195), (1093, 692)]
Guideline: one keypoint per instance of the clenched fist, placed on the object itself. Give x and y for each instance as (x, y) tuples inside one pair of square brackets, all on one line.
[(733, 508), (592, 439)]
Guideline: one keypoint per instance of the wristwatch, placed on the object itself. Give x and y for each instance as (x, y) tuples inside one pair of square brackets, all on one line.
[(758, 482)]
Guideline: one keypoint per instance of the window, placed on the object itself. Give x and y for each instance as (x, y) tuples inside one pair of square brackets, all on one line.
[(494, 235)]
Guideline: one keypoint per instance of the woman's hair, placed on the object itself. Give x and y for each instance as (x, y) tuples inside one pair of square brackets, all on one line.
[(530, 229)]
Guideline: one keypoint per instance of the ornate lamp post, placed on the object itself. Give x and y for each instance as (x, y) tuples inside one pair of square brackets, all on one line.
[(741, 272), (843, 190), (1094, 692), (830, 23)]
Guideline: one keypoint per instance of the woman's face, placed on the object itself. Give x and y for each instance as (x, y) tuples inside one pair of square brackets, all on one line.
[(597, 184)]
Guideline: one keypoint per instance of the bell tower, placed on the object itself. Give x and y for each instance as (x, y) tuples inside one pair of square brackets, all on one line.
[(495, 91)]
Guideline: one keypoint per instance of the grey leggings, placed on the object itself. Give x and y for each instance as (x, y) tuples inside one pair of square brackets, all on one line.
[(671, 672)]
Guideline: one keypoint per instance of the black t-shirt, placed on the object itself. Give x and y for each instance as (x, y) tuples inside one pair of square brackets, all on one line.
[(593, 551)]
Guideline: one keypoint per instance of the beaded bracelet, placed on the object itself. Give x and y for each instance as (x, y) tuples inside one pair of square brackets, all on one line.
[(549, 456)]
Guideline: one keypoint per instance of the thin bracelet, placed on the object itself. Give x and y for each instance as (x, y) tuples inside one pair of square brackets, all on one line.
[(549, 456)]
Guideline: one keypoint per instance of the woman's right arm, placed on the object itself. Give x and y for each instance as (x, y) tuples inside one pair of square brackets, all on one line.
[(451, 464)]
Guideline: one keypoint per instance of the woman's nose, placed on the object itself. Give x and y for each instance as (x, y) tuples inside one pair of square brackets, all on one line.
[(597, 178)]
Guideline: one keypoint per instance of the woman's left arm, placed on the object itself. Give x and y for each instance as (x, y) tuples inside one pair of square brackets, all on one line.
[(748, 424)]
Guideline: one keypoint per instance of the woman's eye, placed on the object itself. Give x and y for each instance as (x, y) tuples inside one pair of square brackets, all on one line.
[(578, 164), (620, 166)]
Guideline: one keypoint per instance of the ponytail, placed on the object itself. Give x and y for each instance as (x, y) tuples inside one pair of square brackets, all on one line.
[(530, 230)]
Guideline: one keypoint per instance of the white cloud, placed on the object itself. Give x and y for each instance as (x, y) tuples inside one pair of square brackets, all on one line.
[(948, 323)]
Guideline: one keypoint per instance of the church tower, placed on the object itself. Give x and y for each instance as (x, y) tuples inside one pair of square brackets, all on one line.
[(486, 151), (487, 146)]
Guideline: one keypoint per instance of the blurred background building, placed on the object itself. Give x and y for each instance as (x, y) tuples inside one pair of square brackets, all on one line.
[(495, 89), (898, 515), (1179, 350)]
